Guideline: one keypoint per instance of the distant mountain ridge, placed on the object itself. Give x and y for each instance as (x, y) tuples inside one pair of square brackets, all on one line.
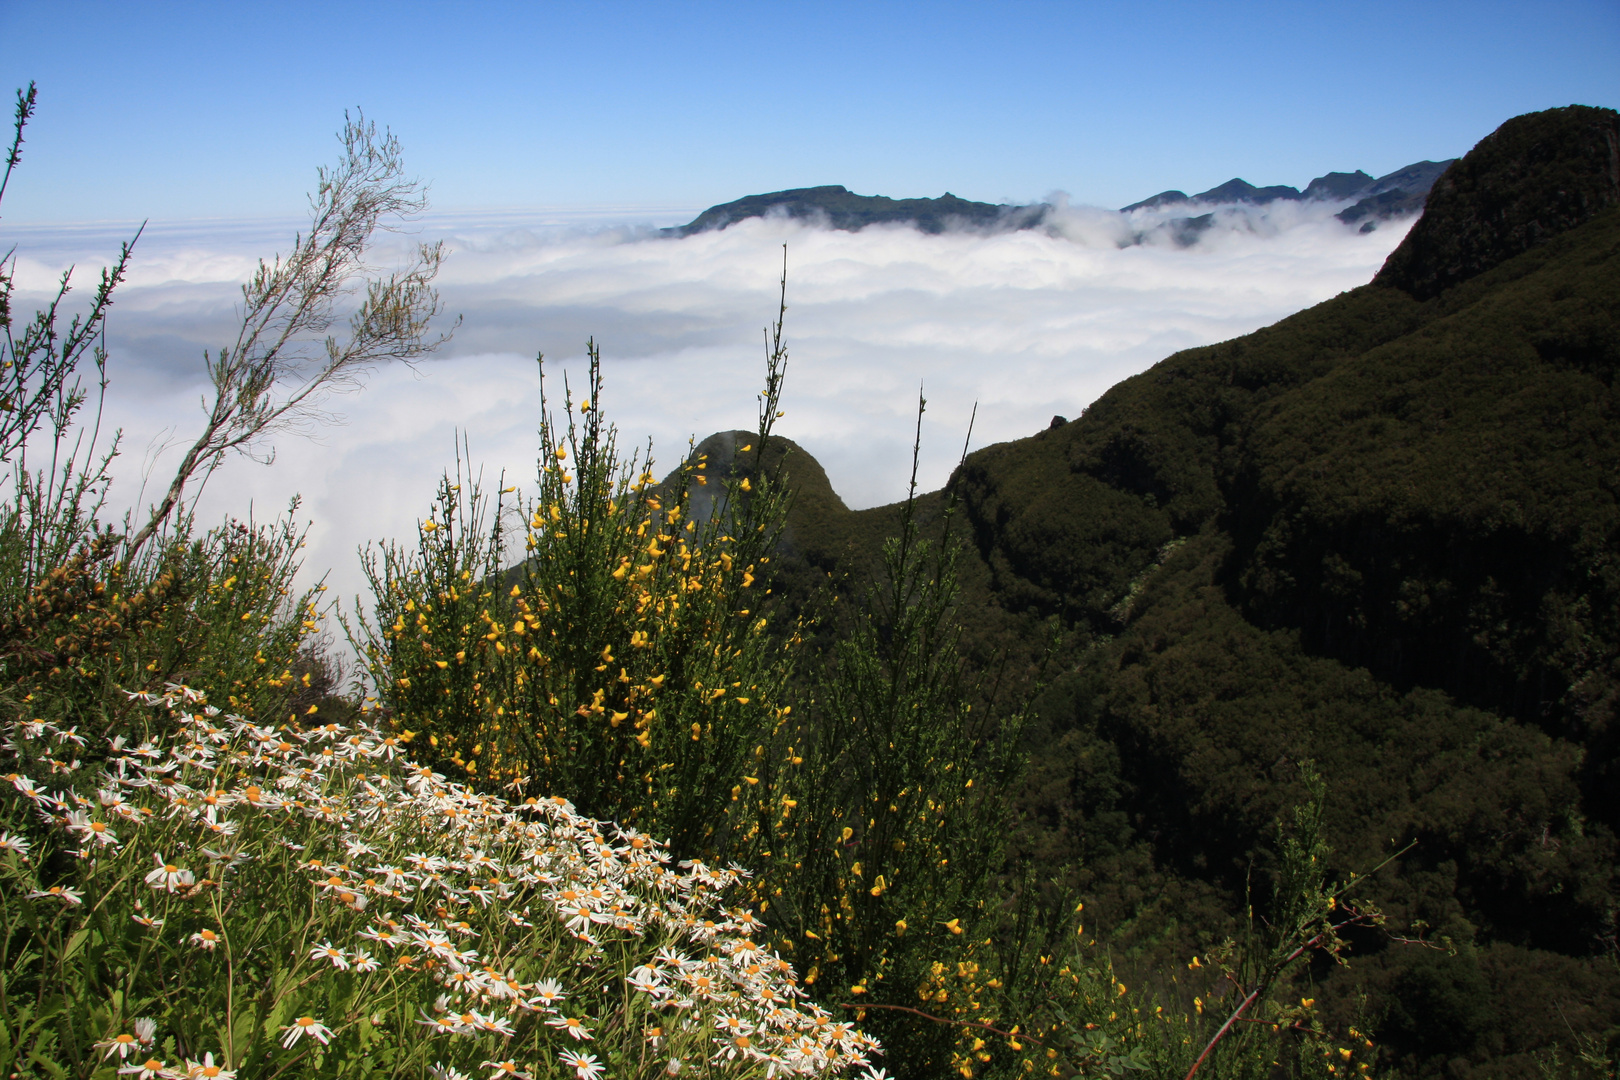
[(1395, 194), (1392, 195), (843, 209)]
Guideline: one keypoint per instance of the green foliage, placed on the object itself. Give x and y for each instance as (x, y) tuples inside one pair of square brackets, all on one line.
[(625, 661), (218, 607), (893, 826)]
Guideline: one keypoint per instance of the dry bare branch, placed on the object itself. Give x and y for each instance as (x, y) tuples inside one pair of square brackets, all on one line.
[(286, 360)]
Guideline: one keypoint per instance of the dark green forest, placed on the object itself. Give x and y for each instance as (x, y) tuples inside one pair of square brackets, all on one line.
[(1382, 536)]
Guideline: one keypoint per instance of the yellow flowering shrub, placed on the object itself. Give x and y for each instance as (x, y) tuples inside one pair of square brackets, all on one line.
[(218, 606), (623, 660)]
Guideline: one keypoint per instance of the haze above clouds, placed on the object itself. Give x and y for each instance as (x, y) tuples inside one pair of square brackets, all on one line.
[(1025, 324)]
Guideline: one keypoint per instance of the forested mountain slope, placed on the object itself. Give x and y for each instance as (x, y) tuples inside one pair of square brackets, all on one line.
[(1383, 535)]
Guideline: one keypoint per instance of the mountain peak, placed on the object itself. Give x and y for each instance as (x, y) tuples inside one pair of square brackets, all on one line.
[(1163, 198), (1338, 185), (1237, 190), (1534, 177)]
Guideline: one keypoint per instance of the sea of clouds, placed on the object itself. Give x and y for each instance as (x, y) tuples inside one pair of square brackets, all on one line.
[(1024, 325)]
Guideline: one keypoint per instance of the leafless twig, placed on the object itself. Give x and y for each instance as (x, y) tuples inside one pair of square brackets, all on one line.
[(286, 361)]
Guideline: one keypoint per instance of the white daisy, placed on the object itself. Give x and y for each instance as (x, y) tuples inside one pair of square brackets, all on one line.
[(306, 1025)]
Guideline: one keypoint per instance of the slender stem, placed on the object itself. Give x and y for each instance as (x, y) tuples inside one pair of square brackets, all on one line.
[(941, 1019), (25, 109), (1221, 1034), (1237, 1014)]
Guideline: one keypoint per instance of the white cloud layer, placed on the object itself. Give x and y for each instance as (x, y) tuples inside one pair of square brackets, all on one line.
[(1026, 325)]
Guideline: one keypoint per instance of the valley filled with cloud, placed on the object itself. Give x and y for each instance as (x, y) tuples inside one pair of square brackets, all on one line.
[(1025, 325)]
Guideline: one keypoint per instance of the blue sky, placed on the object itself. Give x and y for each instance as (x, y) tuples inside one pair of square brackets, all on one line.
[(179, 110)]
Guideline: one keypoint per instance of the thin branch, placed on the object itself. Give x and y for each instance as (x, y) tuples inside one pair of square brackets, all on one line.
[(1253, 995), (942, 1020), (25, 110), (285, 360)]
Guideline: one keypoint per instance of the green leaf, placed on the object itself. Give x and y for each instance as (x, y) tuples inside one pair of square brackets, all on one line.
[(52, 1069)]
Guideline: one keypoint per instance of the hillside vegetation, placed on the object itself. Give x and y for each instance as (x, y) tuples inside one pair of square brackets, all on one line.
[(1381, 535)]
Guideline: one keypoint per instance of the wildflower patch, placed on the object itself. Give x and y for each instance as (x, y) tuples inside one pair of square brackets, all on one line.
[(237, 898)]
